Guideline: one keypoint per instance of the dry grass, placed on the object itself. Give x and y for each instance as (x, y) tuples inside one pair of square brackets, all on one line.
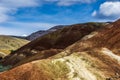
[(8, 44)]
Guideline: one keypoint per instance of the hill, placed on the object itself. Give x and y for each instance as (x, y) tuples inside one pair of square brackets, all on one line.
[(40, 33), (9, 44), (94, 57), (57, 40)]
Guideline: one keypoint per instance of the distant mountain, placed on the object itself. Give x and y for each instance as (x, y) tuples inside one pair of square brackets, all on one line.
[(89, 52), (40, 33), (20, 37), (9, 44), (57, 27), (36, 35)]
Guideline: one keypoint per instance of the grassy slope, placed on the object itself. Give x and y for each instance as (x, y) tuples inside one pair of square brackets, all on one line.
[(8, 44)]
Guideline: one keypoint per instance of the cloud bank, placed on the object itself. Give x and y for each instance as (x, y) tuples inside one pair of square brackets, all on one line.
[(8, 7), (70, 2), (108, 10)]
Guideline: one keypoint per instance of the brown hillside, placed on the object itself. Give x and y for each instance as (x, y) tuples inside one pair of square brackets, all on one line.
[(78, 65), (59, 39), (108, 37)]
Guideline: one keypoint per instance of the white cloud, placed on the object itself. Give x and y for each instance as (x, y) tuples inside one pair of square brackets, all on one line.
[(18, 3), (11, 6), (3, 17), (70, 2), (4, 13), (24, 35), (112, 0), (94, 13), (108, 10)]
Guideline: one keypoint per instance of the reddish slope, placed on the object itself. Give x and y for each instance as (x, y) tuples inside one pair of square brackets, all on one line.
[(27, 72), (108, 37), (86, 66)]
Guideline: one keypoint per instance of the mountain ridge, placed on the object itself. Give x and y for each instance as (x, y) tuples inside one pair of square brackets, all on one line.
[(40, 33)]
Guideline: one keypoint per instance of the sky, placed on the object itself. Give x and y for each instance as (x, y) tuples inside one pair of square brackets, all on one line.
[(23, 17)]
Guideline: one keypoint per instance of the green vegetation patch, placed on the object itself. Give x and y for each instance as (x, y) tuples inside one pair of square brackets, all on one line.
[(4, 68)]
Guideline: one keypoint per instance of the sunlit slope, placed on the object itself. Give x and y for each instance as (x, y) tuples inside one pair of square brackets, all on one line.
[(9, 44)]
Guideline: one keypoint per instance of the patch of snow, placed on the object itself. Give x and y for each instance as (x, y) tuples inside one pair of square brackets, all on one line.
[(24, 35)]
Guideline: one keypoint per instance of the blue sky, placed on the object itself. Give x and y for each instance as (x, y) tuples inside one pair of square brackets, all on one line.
[(22, 17)]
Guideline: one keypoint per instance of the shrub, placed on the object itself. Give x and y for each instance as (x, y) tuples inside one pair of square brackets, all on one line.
[(4, 68)]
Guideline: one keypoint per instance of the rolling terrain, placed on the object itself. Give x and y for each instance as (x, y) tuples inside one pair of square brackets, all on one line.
[(54, 41), (94, 56), (9, 44)]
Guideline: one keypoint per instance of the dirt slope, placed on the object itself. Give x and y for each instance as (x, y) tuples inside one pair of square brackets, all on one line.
[(77, 66), (108, 37)]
